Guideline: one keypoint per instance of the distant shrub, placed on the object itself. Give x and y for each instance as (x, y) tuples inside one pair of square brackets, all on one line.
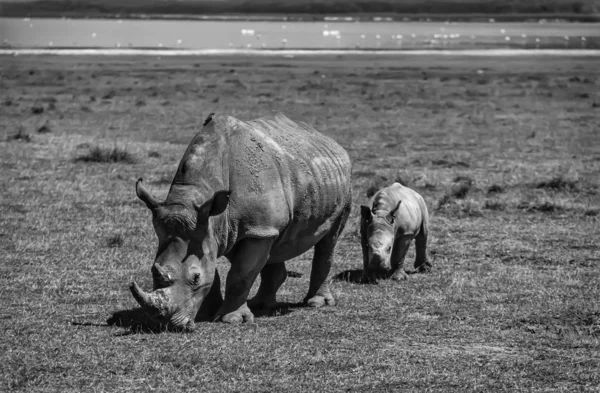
[(109, 95), (108, 155), (495, 189), (460, 190), (494, 205), (375, 185), (464, 179), (38, 109), (154, 154), (115, 241), (21, 135), (372, 190), (443, 201), (45, 128), (364, 173), (401, 179), (558, 183), (545, 207)]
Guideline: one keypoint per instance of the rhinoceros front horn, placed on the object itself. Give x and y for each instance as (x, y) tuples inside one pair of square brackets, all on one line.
[(142, 193), (144, 299)]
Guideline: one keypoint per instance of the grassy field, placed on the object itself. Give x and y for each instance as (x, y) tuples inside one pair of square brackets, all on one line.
[(506, 152)]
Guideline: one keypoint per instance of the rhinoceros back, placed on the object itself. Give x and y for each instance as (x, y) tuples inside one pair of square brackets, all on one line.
[(295, 177)]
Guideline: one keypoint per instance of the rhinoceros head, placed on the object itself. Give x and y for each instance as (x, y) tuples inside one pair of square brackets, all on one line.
[(377, 229), (184, 268)]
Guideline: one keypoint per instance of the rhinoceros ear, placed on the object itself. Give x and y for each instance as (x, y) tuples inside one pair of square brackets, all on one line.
[(142, 193), (394, 211), (365, 213), (220, 202), (216, 205)]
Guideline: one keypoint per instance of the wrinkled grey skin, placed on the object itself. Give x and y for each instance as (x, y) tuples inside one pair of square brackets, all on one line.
[(259, 193), (395, 216)]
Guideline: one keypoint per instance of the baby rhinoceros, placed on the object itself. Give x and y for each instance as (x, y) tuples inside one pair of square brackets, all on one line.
[(396, 215)]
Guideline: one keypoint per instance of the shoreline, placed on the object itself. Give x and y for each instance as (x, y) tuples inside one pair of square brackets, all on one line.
[(299, 52), (330, 18)]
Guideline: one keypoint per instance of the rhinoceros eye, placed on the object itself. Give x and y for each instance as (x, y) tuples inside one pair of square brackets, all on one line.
[(196, 279), (390, 219)]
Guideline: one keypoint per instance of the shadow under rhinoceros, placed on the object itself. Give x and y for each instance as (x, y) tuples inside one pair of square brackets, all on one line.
[(356, 276), (140, 320)]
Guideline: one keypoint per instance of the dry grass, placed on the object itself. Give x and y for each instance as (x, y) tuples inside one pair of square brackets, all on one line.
[(512, 303)]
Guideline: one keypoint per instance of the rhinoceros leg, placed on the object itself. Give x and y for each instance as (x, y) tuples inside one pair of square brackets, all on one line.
[(212, 302), (401, 246), (422, 263), (247, 261), (318, 292), (271, 278)]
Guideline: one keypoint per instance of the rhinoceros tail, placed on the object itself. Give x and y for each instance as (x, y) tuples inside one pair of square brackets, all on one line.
[(208, 119)]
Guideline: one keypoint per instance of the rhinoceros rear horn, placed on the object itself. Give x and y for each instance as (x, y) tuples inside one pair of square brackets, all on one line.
[(142, 193)]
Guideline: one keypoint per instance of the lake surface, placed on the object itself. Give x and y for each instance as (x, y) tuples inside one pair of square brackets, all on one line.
[(204, 35)]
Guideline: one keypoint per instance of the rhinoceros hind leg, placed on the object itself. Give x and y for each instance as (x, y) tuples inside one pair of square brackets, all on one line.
[(318, 292), (422, 262), (272, 277)]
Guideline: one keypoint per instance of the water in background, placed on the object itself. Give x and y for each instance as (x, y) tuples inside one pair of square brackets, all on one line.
[(156, 34)]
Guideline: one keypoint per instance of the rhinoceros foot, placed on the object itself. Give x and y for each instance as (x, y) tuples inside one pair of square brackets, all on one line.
[(320, 301), (424, 268), (242, 314), (399, 275)]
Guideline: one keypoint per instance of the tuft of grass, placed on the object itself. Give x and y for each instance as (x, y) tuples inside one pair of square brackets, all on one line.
[(115, 241), (154, 154), (109, 155)]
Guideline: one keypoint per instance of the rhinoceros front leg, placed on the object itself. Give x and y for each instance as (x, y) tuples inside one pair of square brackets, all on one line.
[(212, 302), (401, 246), (272, 277), (247, 261), (318, 292)]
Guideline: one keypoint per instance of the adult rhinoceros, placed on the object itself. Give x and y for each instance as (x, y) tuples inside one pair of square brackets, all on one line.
[(260, 193)]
